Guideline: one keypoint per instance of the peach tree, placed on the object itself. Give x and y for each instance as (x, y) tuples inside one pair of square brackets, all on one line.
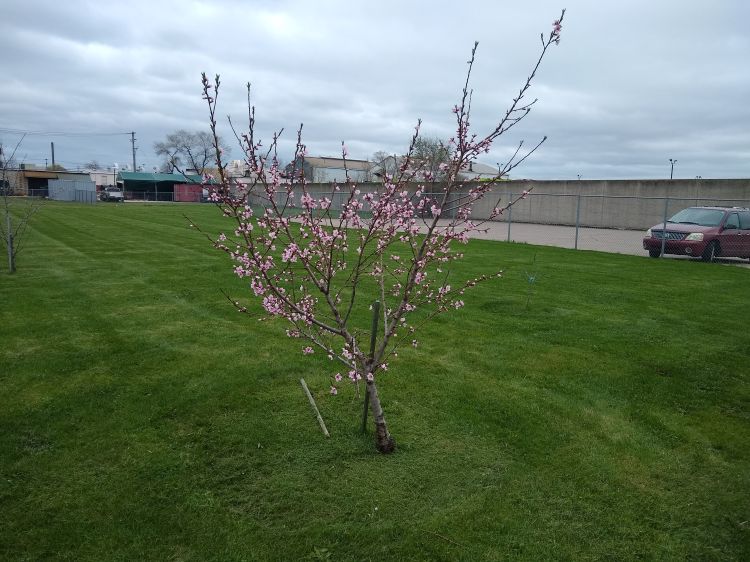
[(314, 259)]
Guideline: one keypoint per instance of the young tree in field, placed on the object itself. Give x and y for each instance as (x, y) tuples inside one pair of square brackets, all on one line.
[(320, 268), (16, 211)]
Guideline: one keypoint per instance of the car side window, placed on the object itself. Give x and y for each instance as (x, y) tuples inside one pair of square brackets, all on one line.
[(745, 220), (733, 222)]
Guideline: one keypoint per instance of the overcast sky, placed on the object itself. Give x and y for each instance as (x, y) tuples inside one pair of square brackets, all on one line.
[(631, 85)]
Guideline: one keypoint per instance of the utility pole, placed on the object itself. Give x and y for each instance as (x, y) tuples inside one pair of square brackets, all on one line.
[(671, 171), (52, 145), (132, 142)]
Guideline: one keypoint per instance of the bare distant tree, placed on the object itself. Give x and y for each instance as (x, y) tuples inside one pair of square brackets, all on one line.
[(430, 153), (17, 211), (92, 165), (384, 163), (184, 149)]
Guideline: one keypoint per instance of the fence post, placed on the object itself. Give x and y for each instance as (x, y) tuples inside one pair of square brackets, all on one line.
[(578, 217), (664, 225), (510, 215)]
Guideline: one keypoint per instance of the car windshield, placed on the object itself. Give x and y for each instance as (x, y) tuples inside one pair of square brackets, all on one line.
[(702, 217)]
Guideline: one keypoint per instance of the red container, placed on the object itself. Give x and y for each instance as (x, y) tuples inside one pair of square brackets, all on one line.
[(188, 192)]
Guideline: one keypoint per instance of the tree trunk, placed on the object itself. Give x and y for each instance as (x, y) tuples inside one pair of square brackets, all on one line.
[(9, 242), (383, 440)]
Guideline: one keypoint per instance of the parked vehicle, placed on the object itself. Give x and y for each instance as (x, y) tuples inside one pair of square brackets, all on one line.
[(705, 232), (112, 194)]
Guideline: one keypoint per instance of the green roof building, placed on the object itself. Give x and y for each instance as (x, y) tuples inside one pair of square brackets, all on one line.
[(153, 187)]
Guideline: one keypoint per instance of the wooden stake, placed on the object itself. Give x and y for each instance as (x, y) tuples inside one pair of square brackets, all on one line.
[(314, 407), (373, 340)]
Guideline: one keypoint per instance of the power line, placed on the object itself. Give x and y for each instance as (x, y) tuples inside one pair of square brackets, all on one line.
[(58, 133)]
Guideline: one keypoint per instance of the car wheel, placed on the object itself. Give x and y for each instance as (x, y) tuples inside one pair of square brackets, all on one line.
[(711, 252), (654, 253)]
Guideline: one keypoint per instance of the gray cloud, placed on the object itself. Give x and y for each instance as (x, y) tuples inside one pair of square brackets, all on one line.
[(631, 84)]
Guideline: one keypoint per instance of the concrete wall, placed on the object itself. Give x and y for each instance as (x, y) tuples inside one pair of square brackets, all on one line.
[(624, 204), (628, 204)]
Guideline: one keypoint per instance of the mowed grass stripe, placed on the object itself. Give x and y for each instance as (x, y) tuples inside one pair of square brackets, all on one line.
[(601, 411)]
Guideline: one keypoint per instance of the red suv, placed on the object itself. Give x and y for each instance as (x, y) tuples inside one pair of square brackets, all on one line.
[(705, 232)]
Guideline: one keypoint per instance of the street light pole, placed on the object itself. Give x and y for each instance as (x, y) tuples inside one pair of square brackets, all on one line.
[(671, 171)]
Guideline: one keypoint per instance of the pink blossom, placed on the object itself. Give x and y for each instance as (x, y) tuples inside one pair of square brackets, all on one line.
[(334, 390), (273, 305), (338, 377), (290, 253), (257, 287), (370, 377), (308, 350)]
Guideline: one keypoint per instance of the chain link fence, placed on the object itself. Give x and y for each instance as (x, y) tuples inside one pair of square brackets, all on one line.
[(597, 222), (608, 223), (163, 196)]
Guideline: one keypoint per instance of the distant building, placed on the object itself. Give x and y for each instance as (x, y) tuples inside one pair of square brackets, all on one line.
[(103, 178), (238, 169), (28, 180), (473, 171), (324, 169), (478, 171), (154, 187)]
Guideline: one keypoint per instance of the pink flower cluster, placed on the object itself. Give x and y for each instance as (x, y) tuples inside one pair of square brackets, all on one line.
[(556, 28)]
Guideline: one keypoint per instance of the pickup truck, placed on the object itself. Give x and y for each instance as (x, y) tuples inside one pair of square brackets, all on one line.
[(111, 194)]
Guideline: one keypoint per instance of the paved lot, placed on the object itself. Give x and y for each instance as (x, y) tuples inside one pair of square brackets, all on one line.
[(599, 239), (604, 240)]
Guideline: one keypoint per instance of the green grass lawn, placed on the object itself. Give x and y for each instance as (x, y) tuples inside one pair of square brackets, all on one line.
[(143, 418)]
